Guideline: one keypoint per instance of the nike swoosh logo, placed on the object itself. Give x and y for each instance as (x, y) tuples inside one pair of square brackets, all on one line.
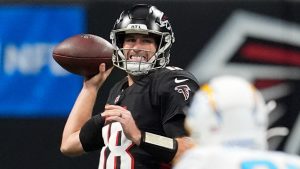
[(180, 80)]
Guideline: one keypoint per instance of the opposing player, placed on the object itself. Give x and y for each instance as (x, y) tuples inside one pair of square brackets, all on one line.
[(228, 118), (142, 126)]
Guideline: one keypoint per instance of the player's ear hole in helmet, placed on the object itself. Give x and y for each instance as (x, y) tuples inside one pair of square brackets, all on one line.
[(142, 19)]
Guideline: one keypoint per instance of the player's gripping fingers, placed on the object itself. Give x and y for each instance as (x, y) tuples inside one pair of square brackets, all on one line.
[(111, 116), (112, 112), (110, 107), (98, 80), (116, 110), (112, 119), (102, 69), (103, 73)]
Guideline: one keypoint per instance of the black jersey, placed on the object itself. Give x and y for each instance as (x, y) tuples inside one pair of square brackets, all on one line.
[(156, 102)]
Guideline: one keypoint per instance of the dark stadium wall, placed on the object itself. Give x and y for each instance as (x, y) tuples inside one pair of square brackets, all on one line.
[(28, 142)]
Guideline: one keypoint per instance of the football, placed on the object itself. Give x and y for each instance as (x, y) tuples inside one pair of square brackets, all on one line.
[(82, 54)]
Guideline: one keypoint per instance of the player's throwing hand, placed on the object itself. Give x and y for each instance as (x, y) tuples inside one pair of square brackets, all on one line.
[(115, 113)]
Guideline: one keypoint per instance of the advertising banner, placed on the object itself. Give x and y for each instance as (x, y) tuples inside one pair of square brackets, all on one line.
[(31, 83)]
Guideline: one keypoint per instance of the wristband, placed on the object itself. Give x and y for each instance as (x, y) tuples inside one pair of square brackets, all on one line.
[(162, 148), (91, 134)]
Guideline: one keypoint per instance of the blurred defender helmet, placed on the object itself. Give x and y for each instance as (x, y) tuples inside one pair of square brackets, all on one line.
[(228, 111), (142, 19)]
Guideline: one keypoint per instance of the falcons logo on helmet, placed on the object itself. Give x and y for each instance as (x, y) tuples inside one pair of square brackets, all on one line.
[(184, 89)]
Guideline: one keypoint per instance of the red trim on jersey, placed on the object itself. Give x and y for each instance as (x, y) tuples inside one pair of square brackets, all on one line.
[(105, 158), (132, 159), (108, 132), (118, 140), (105, 151), (115, 162)]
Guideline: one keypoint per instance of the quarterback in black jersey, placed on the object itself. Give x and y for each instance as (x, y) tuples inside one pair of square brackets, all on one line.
[(142, 126)]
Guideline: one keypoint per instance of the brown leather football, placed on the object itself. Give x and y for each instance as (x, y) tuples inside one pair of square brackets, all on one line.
[(82, 54)]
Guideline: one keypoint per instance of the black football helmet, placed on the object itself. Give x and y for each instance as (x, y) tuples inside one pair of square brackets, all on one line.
[(142, 19)]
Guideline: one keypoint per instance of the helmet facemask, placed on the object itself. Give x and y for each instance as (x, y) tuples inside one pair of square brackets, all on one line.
[(147, 20), (141, 66)]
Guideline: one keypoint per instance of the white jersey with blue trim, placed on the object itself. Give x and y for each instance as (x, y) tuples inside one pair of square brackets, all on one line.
[(236, 158)]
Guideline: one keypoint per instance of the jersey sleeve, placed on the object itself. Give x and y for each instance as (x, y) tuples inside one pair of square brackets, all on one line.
[(177, 88)]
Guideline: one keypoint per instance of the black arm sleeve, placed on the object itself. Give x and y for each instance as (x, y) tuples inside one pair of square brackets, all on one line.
[(175, 126), (176, 96), (91, 134)]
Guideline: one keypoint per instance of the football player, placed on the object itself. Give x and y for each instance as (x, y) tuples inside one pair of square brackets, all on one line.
[(228, 118), (142, 126)]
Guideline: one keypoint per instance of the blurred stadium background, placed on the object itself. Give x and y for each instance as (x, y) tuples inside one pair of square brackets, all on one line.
[(259, 40)]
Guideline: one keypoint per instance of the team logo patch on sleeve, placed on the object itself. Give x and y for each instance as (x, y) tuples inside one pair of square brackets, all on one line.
[(183, 89)]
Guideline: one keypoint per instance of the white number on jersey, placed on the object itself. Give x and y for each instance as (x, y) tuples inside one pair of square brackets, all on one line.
[(115, 154)]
